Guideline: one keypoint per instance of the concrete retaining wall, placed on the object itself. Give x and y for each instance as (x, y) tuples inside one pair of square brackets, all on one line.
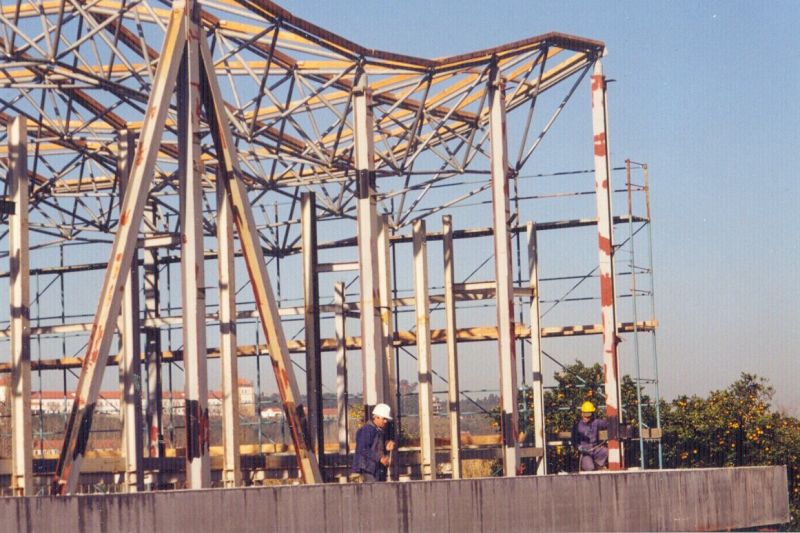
[(711, 499)]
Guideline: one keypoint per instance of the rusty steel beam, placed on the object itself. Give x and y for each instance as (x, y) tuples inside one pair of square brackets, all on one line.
[(341, 45), (606, 265), (76, 435), (19, 292)]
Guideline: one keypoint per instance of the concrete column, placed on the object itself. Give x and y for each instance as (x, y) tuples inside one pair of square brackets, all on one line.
[(341, 368), (152, 345), (537, 383), (19, 267), (190, 169), (453, 408), (503, 272), (371, 326), (425, 387), (130, 366), (231, 470), (311, 315), (602, 183)]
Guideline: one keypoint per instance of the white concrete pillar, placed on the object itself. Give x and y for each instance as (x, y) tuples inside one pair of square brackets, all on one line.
[(424, 373), (19, 291), (454, 412), (509, 422), (231, 470), (130, 366), (190, 170), (537, 383), (372, 352)]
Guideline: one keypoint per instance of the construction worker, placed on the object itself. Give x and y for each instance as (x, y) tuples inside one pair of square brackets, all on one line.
[(586, 438), (371, 459)]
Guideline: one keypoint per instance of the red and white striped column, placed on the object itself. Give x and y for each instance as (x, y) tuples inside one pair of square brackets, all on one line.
[(602, 181)]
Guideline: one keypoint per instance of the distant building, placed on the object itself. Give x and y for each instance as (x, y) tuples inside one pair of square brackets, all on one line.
[(109, 402), (272, 413)]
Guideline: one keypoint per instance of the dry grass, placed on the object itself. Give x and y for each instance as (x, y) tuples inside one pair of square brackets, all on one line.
[(472, 468)]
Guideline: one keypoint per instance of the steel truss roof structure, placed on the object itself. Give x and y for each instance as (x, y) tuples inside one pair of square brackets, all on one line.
[(282, 109), (81, 71)]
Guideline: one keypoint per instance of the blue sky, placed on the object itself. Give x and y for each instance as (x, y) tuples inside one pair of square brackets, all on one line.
[(707, 94)]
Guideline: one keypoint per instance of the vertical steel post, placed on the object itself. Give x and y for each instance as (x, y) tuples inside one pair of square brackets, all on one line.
[(257, 270), (537, 383), (632, 243), (425, 390), (19, 267), (311, 312), (503, 272), (657, 399), (602, 181), (190, 170), (371, 325), (231, 470), (130, 366), (76, 435), (152, 349), (453, 408), (341, 368), (387, 308)]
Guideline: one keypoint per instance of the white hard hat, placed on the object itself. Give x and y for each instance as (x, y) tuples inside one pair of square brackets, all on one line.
[(382, 410)]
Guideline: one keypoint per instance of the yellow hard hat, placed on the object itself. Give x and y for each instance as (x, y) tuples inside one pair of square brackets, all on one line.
[(587, 407)]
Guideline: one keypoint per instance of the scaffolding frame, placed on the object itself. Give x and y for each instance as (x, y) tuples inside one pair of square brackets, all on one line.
[(271, 106)]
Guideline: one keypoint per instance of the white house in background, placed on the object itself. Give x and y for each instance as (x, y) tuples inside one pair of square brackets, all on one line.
[(272, 413)]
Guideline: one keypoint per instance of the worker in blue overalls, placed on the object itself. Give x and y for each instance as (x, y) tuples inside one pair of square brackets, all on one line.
[(586, 438), (371, 460)]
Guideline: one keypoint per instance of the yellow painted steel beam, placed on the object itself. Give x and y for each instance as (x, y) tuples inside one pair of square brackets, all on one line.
[(401, 338)]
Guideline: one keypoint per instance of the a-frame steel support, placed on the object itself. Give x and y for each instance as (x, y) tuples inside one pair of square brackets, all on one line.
[(183, 25), (257, 270), (76, 435)]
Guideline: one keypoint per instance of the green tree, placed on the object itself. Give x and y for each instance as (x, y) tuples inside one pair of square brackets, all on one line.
[(733, 427), (575, 384)]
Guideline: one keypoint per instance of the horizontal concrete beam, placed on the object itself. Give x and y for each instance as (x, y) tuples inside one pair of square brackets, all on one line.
[(667, 500)]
